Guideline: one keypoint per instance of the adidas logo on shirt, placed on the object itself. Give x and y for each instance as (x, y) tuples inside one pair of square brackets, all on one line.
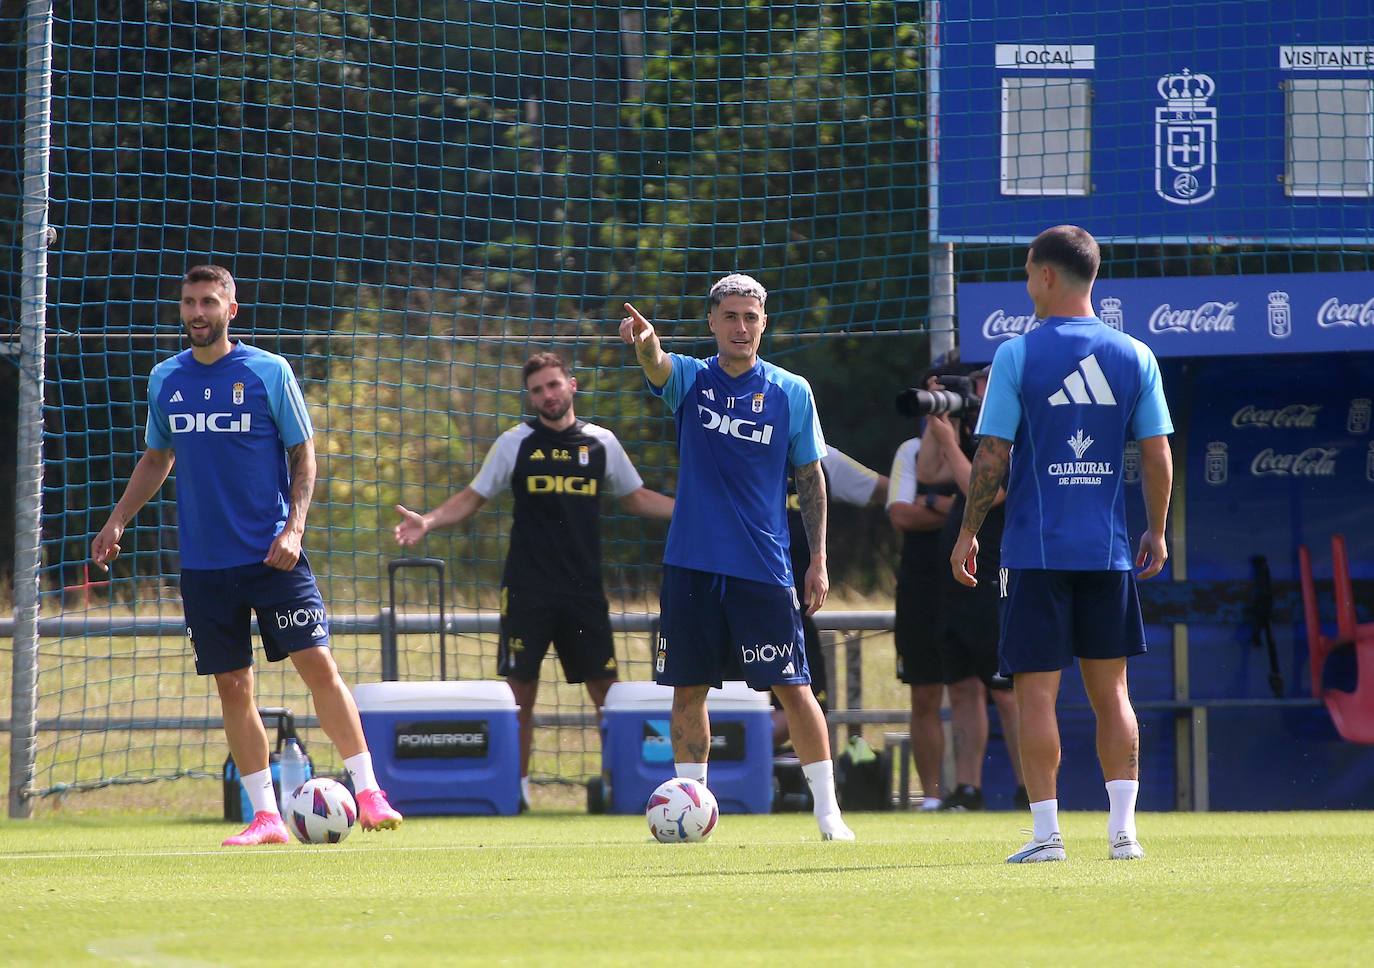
[(788, 670), (318, 632), (1087, 384), (176, 397)]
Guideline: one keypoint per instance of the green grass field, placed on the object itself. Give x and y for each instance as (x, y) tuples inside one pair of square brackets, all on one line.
[(1225, 889)]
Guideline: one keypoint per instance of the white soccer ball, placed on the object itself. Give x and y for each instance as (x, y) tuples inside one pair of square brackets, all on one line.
[(321, 811), (681, 811)]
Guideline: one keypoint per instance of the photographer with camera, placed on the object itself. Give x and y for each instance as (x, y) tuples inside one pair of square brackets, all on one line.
[(967, 622), (918, 513)]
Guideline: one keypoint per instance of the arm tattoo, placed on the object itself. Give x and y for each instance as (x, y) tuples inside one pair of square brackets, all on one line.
[(301, 460), (811, 497), (985, 479)]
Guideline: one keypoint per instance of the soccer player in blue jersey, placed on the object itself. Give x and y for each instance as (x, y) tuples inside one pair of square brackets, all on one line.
[(1068, 396), (232, 420), (728, 607)]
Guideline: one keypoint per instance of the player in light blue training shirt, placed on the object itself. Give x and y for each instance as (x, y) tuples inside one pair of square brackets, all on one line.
[(1062, 403), (232, 420), (728, 608)]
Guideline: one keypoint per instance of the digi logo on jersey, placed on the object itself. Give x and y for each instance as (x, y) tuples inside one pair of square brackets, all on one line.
[(735, 427), (453, 739), (214, 423), (559, 484)]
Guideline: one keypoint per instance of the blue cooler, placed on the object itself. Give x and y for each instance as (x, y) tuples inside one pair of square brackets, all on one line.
[(637, 748), (443, 748)]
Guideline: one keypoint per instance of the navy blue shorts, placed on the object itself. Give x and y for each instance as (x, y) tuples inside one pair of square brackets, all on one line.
[(717, 627), (1049, 618), (218, 603)]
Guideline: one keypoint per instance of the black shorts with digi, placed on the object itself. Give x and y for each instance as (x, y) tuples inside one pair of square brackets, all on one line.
[(578, 627)]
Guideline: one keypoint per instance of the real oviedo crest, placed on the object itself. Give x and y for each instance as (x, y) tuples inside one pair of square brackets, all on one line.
[(1186, 139)]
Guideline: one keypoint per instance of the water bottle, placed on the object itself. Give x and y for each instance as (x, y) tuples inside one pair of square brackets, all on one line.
[(294, 769)]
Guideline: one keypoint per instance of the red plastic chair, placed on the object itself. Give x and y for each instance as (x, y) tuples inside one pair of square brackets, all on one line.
[(1352, 712)]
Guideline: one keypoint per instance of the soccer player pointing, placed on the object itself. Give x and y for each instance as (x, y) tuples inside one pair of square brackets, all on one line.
[(1070, 395), (728, 608), (232, 420)]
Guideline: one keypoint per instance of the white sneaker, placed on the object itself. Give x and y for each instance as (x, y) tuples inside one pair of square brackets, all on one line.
[(1035, 851), (1126, 847), (930, 804), (833, 827)]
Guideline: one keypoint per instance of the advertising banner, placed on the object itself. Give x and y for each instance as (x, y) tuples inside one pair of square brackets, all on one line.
[(1323, 312)]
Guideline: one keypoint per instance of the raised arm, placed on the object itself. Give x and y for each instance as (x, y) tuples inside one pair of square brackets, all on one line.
[(457, 509), (811, 498), (286, 547), (149, 474), (648, 504), (1157, 479), (932, 469), (638, 332)]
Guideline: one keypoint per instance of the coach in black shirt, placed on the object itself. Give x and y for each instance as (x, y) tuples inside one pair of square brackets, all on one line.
[(557, 467)]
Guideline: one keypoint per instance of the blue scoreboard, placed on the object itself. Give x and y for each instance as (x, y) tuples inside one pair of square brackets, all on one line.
[(1190, 122)]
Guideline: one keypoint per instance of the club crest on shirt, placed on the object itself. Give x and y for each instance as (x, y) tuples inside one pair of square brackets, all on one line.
[(238, 394), (757, 405), (584, 456)]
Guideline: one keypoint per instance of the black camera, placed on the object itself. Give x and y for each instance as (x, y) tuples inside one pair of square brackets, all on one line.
[(957, 397)]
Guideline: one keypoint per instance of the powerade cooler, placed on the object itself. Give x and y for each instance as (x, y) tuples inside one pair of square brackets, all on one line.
[(443, 748), (637, 748)]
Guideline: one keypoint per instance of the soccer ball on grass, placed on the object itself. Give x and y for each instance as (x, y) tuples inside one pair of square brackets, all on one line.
[(681, 811), (321, 811)]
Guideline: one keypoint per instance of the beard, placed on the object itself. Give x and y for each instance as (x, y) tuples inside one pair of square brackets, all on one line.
[(213, 334), (555, 409)]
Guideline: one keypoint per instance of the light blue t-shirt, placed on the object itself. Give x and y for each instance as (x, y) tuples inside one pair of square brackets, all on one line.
[(229, 425), (1069, 395), (736, 438)]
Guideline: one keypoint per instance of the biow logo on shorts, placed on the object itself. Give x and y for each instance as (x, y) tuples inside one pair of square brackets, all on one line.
[(299, 618), (768, 652)]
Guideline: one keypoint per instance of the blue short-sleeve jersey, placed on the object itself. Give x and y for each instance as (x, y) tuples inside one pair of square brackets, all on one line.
[(229, 425), (736, 438), (1069, 395)]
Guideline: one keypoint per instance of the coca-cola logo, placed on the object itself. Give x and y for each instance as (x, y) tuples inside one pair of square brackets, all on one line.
[(1293, 416), (1210, 317), (1000, 325), (1312, 462), (1333, 312)]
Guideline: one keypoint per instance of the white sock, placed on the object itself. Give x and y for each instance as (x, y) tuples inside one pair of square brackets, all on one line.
[(692, 771), (820, 777), (1121, 795), (525, 788), (1045, 816), (360, 771), (259, 788)]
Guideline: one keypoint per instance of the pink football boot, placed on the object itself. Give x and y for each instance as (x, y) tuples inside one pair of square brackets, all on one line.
[(374, 813), (266, 828)]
